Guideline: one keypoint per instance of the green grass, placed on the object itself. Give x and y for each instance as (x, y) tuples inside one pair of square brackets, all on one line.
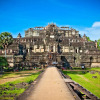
[(86, 80), (96, 69), (27, 79), (16, 91), (6, 98), (5, 75), (79, 68), (13, 74)]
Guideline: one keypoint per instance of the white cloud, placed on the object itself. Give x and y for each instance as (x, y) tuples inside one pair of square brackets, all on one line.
[(96, 24), (93, 32)]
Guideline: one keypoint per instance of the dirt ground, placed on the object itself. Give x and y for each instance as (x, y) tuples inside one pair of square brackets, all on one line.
[(51, 87), (20, 75)]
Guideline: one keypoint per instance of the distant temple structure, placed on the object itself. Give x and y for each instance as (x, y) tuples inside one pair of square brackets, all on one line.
[(52, 44)]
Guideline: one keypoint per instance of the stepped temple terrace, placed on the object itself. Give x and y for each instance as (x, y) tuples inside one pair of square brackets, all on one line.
[(52, 45)]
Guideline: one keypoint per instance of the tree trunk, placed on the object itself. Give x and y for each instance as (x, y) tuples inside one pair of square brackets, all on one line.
[(1, 69), (5, 52)]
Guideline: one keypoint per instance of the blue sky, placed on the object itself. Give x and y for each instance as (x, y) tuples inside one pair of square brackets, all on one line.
[(19, 15)]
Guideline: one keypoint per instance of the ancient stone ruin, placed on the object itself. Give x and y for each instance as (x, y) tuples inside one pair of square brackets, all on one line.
[(51, 44)]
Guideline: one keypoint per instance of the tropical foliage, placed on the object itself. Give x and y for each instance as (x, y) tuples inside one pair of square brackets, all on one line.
[(88, 38), (3, 63), (98, 44), (5, 40)]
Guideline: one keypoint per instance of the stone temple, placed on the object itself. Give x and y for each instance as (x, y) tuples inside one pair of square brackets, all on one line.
[(52, 44)]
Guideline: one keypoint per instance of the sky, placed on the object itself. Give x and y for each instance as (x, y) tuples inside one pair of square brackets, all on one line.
[(19, 15)]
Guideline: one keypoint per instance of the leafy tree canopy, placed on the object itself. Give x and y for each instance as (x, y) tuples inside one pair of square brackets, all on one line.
[(88, 38), (3, 62), (98, 44), (1, 47), (5, 39)]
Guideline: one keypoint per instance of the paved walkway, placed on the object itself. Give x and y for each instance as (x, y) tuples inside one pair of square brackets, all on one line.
[(51, 87)]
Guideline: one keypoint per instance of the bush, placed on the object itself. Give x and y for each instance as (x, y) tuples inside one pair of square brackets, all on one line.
[(3, 63), (8, 69), (30, 81)]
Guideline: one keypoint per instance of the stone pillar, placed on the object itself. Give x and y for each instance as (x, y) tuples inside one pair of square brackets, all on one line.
[(39, 49), (84, 43), (63, 49), (96, 44), (28, 50), (77, 50), (48, 48), (69, 45), (54, 48)]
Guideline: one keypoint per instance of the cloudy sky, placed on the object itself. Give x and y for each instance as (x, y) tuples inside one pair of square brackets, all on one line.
[(19, 15)]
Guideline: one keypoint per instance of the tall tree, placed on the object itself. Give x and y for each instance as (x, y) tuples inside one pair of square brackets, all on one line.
[(6, 39), (98, 44)]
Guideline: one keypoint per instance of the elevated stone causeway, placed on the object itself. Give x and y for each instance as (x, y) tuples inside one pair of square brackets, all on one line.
[(51, 87)]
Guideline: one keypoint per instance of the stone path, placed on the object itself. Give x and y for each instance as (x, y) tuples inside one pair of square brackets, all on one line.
[(51, 87)]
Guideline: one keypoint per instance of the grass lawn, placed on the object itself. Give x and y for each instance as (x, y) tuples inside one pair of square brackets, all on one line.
[(96, 69), (79, 68), (10, 90), (12, 76), (86, 80)]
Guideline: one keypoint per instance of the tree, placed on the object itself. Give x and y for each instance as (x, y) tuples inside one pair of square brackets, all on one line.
[(3, 63), (1, 47), (98, 44), (6, 39), (88, 38)]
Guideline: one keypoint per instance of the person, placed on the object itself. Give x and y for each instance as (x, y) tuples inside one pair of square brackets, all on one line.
[(62, 68), (83, 67), (70, 67)]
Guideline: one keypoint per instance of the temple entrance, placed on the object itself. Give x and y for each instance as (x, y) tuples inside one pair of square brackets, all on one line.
[(52, 54), (52, 58)]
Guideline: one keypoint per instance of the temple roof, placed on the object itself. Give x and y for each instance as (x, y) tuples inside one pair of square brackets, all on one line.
[(51, 26), (19, 35)]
